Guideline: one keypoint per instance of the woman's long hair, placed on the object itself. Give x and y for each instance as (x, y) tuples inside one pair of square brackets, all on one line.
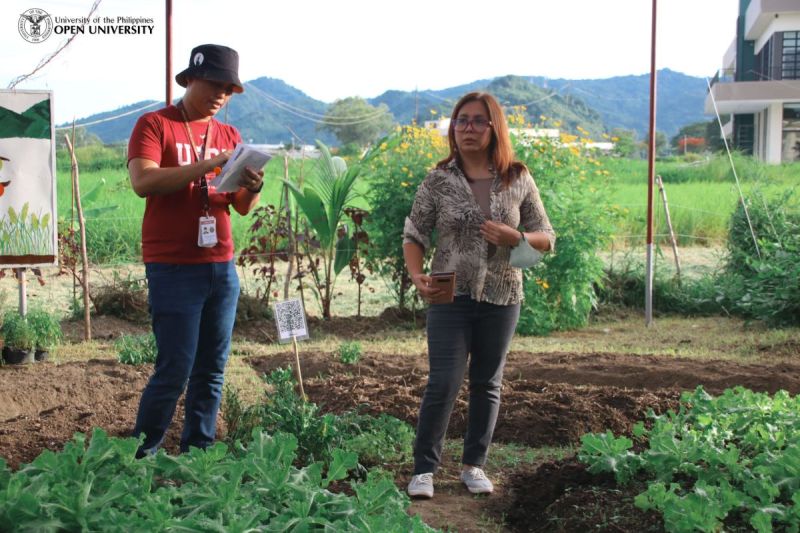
[(500, 149)]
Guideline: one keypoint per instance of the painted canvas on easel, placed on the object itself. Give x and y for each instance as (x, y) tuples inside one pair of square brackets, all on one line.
[(28, 226)]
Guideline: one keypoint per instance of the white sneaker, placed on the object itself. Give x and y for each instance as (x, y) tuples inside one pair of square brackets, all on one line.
[(476, 481), (421, 486)]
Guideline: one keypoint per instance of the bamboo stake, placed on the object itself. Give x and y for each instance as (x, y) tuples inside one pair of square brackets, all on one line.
[(297, 373), (663, 192), (87, 320), (290, 267)]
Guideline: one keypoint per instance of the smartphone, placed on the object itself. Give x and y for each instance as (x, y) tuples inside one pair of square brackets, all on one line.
[(446, 282)]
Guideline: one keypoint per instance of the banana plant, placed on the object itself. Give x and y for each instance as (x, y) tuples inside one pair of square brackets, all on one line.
[(323, 200)]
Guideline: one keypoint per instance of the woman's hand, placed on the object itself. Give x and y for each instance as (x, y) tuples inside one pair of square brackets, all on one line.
[(427, 292), (499, 234)]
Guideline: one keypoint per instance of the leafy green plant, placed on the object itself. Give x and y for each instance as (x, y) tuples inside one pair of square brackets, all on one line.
[(17, 332), (97, 484), (349, 352), (136, 349), (323, 200), (735, 454), (375, 440), (46, 328), (282, 410)]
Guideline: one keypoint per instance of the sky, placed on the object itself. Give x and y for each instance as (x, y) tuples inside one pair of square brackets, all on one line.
[(332, 49)]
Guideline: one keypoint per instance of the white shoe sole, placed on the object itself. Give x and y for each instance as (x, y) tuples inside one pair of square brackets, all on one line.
[(479, 491), (420, 494)]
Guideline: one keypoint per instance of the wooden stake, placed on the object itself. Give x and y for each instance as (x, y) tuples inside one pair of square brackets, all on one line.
[(290, 267), (297, 373), (669, 226), (87, 320)]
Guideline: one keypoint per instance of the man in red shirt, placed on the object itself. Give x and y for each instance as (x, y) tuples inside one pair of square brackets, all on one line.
[(173, 157)]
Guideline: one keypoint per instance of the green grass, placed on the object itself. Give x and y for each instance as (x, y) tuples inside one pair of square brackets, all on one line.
[(701, 196), (715, 168), (700, 211), (701, 193), (114, 236)]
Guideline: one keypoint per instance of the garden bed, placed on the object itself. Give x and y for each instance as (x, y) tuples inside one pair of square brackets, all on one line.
[(549, 399)]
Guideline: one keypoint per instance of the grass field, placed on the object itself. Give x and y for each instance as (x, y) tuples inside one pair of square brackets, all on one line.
[(114, 234), (701, 194)]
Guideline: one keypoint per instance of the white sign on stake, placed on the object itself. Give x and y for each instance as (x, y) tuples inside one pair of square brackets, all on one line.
[(290, 319), (28, 220)]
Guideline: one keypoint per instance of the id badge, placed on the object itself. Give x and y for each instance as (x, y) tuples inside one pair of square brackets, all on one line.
[(207, 234)]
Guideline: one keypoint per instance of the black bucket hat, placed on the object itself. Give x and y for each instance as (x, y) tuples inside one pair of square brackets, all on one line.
[(213, 62)]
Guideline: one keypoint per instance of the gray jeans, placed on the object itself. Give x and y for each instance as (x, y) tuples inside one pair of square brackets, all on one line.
[(457, 332)]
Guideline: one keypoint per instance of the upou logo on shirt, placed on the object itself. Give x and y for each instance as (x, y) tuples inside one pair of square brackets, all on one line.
[(185, 153)]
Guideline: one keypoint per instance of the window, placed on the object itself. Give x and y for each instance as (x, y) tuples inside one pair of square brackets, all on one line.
[(790, 57), (791, 132)]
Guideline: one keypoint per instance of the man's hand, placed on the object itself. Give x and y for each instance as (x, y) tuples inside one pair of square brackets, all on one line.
[(251, 180), (499, 234)]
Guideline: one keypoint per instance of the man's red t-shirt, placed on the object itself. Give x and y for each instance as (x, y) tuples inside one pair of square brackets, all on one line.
[(170, 225)]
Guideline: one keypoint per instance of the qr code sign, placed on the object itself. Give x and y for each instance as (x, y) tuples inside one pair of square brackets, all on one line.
[(290, 319)]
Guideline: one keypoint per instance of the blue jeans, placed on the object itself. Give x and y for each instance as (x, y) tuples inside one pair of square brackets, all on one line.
[(464, 329), (193, 308)]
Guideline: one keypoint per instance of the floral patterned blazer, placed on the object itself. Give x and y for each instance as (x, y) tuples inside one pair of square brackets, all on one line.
[(444, 202)]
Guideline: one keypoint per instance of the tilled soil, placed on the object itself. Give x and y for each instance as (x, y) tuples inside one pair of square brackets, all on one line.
[(548, 399)]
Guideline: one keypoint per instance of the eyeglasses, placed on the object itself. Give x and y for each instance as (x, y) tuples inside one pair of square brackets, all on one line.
[(479, 124)]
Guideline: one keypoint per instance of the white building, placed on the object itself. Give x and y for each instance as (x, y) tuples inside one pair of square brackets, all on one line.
[(759, 85)]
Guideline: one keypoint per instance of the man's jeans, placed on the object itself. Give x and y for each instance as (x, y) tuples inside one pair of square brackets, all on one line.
[(457, 331), (193, 308)]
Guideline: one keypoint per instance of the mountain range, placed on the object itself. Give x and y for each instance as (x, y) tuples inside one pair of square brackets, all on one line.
[(270, 111)]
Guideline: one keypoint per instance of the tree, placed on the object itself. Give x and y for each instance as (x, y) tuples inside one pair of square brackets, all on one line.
[(353, 121), (625, 144), (713, 136), (661, 143), (690, 138)]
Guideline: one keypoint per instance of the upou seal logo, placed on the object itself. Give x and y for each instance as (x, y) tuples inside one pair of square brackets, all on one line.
[(35, 25), (198, 59)]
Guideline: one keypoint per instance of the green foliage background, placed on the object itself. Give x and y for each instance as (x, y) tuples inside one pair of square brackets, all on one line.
[(559, 293)]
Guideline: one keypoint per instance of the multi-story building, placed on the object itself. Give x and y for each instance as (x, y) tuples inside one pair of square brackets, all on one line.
[(758, 90)]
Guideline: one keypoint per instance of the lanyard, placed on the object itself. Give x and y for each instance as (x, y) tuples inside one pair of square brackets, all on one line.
[(202, 156)]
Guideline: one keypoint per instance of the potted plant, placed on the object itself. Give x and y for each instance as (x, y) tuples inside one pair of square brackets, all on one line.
[(20, 339), (47, 330)]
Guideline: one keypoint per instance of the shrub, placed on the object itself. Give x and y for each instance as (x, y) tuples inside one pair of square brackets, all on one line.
[(46, 328), (394, 178), (349, 352), (625, 286), (762, 283), (136, 349), (17, 332), (125, 297), (559, 293)]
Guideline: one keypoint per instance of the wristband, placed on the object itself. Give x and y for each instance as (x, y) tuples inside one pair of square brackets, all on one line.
[(521, 238), (256, 191)]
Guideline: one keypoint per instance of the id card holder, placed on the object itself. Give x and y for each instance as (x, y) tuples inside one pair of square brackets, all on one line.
[(207, 233)]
